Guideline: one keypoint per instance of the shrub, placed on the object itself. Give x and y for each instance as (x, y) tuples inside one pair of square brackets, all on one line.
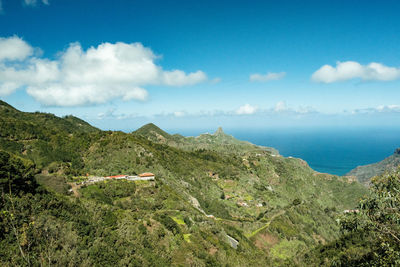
[(169, 223)]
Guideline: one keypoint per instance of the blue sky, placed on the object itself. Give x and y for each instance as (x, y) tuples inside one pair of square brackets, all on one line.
[(200, 64)]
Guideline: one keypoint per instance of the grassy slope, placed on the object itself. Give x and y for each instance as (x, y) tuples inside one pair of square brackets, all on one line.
[(366, 172)]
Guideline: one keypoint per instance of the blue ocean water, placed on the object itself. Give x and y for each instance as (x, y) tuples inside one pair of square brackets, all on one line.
[(328, 150)]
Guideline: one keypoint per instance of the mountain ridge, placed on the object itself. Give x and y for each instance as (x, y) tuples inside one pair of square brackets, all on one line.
[(218, 141), (365, 172)]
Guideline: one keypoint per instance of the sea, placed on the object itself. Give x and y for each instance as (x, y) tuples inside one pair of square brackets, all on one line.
[(328, 150)]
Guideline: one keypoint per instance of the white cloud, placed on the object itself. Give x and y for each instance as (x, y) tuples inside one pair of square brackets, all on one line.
[(14, 48), (280, 106), (46, 2), (80, 77), (137, 93), (280, 109), (246, 109), (179, 114), (350, 70), (383, 108), (378, 109), (8, 87), (180, 78), (270, 76)]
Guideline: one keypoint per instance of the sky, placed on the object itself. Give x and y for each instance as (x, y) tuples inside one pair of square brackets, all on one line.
[(203, 64)]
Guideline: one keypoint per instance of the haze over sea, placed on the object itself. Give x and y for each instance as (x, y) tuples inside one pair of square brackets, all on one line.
[(328, 150)]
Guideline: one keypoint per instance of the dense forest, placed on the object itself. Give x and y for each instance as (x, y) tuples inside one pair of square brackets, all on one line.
[(208, 191)]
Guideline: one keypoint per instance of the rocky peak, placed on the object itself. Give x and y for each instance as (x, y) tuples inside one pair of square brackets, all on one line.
[(219, 131)]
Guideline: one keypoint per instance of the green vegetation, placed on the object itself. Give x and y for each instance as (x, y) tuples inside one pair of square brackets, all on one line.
[(55, 183), (108, 191), (206, 188), (371, 234), (366, 172), (16, 174), (52, 143)]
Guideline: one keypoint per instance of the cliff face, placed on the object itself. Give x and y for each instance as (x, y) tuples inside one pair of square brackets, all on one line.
[(366, 172)]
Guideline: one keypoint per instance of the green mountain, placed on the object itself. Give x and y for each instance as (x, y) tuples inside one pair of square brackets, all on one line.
[(216, 201), (152, 131), (44, 138), (366, 172)]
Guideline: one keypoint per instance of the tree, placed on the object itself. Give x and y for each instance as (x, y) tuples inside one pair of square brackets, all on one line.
[(169, 223), (379, 217), (16, 174)]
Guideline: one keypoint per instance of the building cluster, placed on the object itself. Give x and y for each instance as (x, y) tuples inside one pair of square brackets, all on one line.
[(147, 176)]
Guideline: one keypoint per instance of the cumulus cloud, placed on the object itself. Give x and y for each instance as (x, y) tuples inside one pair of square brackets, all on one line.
[(180, 78), (246, 109), (8, 88), (270, 76), (14, 48), (79, 77), (350, 70)]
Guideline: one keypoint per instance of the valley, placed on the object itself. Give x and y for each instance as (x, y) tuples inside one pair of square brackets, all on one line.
[(214, 201)]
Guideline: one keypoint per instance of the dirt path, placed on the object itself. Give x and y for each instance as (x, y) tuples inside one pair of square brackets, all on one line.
[(266, 225), (75, 188)]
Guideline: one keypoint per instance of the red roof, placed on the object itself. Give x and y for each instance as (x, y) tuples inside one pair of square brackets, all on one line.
[(116, 176), (146, 174)]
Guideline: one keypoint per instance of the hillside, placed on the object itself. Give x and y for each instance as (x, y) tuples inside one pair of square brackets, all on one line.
[(45, 138), (371, 233), (366, 172), (209, 190), (40, 122)]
